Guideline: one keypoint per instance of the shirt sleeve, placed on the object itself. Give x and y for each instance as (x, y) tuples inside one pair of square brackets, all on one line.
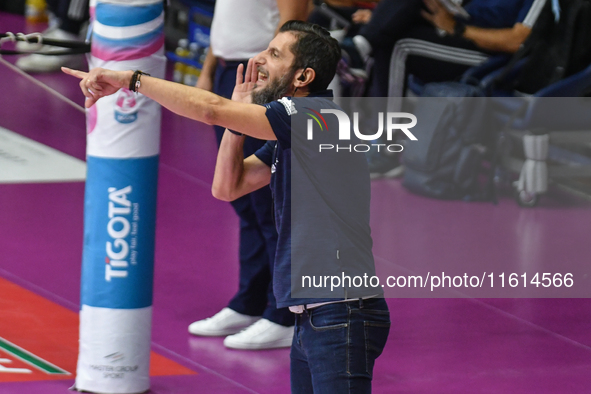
[(497, 14), (265, 153), (279, 115)]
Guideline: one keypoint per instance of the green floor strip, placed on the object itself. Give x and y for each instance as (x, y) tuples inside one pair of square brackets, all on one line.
[(30, 358)]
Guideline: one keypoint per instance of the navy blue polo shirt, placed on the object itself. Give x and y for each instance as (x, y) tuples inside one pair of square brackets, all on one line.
[(321, 203), (497, 14)]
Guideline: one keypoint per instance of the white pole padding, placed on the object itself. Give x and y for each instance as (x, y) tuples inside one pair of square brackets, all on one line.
[(123, 147)]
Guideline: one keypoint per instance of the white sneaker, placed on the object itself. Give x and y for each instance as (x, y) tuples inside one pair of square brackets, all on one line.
[(264, 334), (225, 322), (44, 63)]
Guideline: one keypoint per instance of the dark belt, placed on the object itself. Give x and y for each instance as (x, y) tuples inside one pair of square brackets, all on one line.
[(231, 63)]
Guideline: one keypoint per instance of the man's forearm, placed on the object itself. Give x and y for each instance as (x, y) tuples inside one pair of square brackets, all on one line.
[(490, 39), (190, 102), (235, 176), (187, 101), (229, 167), (498, 40), (207, 107)]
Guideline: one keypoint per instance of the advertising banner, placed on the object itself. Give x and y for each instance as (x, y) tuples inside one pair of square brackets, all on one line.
[(120, 203)]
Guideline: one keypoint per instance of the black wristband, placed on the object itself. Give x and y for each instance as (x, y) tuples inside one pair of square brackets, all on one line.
[(235, 132), (459, 29), (134, 83)]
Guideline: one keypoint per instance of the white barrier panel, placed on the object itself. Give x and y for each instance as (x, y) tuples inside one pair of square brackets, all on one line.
[(123, 147)]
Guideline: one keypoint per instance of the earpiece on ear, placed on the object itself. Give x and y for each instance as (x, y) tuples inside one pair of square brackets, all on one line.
[(302, 77)]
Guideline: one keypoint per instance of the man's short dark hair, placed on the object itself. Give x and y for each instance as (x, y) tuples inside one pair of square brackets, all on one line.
[(316, 49)]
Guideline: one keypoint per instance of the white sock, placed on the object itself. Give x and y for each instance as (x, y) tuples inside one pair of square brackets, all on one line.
[(363, 46)]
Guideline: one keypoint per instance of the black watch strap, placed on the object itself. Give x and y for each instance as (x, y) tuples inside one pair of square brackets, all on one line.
[(459, 29)]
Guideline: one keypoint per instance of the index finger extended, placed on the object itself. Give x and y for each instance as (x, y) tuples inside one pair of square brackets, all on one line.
[(75, 73)]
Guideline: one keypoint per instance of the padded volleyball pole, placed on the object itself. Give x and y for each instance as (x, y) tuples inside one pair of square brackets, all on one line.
[(123, 146)]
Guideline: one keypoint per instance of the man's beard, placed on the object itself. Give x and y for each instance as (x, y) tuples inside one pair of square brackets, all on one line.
[(274, 90)]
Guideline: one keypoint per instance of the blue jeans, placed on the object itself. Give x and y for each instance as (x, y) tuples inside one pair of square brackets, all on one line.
[(335, 346)]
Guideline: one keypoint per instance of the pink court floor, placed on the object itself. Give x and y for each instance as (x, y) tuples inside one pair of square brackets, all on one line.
[(444, 345)]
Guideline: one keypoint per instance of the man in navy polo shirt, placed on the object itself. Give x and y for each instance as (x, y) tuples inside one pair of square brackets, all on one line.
[(321, 210), (321, 197)]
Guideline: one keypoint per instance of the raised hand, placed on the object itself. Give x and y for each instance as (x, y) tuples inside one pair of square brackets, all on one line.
[(244, 86), (99, 82)]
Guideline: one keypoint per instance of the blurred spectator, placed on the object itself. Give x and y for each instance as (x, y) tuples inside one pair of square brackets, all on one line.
[(69, 18), (493, 26), (354, 12)]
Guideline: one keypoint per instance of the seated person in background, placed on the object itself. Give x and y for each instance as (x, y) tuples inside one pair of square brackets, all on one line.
[(494, 26), (353, 11)]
